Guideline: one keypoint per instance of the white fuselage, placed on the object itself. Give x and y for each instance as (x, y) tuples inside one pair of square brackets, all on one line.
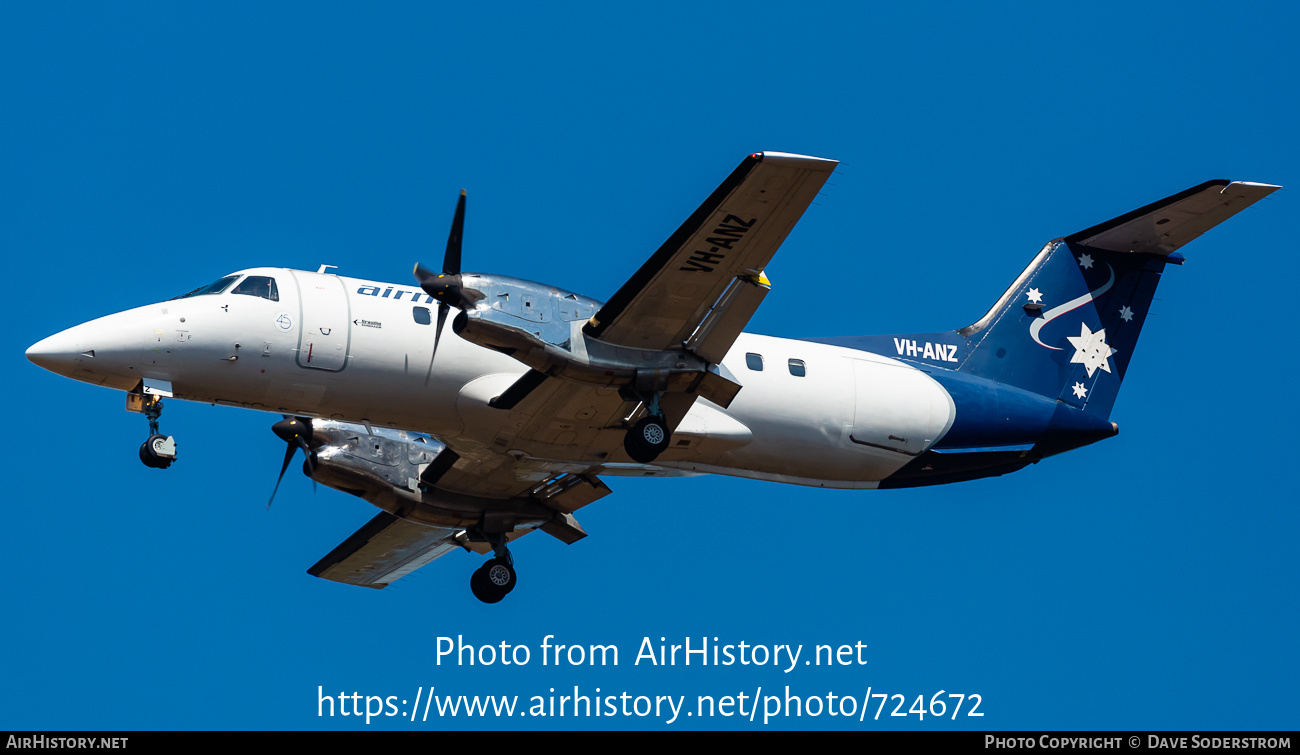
[(326, 350)]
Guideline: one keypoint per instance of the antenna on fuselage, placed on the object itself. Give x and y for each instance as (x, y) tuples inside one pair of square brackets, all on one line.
[(323, 268)]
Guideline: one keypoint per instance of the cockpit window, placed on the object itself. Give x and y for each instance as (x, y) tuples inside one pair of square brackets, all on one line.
[(211, 288), (258, 285)]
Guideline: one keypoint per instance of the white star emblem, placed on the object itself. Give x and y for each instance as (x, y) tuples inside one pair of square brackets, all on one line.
[(1085, 262), (1079, 390), (1091, 349), (1035, 296), (1125, 314)]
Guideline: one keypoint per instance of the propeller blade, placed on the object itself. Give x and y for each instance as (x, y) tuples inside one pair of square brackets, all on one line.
[(288, 457), (423, 274), (445, 288), (451, 260), (437, 336), (306, 451), (296, 433), (309, 465)]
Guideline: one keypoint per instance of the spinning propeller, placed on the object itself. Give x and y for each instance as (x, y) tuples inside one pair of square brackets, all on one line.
[(445, 288), (296, 432)]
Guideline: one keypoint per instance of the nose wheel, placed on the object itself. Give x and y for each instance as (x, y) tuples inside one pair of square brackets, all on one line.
[(159, 451)]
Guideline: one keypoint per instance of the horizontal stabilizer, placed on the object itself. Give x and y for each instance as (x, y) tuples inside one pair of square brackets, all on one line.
[(1164, 226)]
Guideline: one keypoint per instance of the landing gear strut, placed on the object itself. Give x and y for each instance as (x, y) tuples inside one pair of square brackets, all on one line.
[(160, 450), (495, 579), (649, 436)]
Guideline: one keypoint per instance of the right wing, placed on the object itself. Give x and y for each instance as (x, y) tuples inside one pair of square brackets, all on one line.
[(728, 241)]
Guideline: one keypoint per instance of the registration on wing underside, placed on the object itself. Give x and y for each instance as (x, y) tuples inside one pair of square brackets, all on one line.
[(731, 230), (733, 234)]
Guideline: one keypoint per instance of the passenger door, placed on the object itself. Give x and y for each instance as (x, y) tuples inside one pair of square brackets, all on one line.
[(323, 342)]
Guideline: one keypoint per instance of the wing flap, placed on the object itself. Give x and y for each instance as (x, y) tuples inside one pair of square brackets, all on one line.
[(383, 551), (734, 233), (723, 324), (1164, 226)]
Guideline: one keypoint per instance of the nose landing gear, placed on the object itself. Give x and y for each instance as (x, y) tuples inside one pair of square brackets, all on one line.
[(159, 451)]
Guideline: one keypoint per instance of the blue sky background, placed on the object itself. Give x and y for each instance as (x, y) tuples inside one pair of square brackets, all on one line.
[(1145, 582)]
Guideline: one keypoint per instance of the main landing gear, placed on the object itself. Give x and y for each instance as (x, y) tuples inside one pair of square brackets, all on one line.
[(495, 579), (160, 450), (649, 436)]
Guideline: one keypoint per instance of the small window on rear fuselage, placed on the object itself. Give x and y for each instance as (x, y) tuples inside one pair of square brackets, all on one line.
[(754, 361), (258, 285), (797, 368)]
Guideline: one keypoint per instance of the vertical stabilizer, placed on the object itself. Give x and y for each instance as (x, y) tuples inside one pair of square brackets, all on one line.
[(1069, 325)]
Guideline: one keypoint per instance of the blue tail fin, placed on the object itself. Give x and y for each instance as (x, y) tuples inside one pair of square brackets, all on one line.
[(1068, 326)]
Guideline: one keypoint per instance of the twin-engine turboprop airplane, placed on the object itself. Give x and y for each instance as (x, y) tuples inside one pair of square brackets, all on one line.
[(507, 424)]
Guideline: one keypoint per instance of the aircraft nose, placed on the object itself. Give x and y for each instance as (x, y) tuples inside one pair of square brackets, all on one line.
[(105, 351), (58, 353)]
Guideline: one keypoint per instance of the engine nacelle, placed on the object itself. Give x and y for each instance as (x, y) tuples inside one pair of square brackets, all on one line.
[(385, 466), (542, 327)]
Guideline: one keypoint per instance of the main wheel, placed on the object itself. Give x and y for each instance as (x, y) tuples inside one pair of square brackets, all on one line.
[(646, 440), (149, 453), (478, 585), (492, 581), (501, 574)]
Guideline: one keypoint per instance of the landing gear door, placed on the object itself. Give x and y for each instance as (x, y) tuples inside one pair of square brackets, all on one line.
[(324, 337)]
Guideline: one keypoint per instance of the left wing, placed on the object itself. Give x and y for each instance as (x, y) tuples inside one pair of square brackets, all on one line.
[(384, 550), (725, 243)]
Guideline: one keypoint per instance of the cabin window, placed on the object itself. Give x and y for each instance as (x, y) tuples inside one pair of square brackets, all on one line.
[(797, 368), (258, 285), (421, 315), (754, 361)]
